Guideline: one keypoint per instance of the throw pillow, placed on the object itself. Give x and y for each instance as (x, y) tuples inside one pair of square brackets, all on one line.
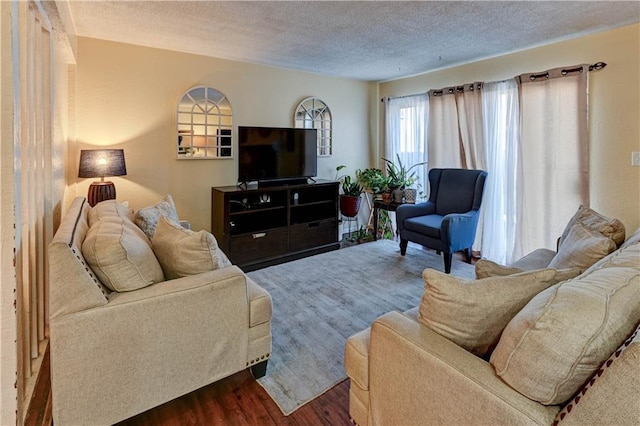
[(473, 314), (109, 208), (556, 342), (596, 222), (582, 248), (626, 256), (486, 268), (147, 218), (183, 252), (120, 254)]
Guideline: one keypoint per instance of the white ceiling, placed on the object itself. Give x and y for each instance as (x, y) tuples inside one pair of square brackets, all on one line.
[(372, 41)]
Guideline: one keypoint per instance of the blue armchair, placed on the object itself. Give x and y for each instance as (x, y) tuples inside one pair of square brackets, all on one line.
[(448, 221)]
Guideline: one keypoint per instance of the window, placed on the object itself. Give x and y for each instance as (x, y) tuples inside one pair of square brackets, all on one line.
[(406, 132), (205, 122)]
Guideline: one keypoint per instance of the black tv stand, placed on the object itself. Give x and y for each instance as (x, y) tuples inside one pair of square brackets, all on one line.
[(282, 182), (258, 227)]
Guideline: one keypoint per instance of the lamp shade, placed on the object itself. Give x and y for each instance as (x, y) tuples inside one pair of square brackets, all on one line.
[(101, 163)]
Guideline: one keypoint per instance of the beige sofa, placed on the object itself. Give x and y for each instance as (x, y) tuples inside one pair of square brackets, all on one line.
[(404, 373), (117, 354)]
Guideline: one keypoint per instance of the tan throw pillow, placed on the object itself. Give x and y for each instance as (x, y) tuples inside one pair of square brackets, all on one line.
[(627, 256), (486, 268), (147, 218), (472, 314), (120, 254), (553, 345), (596, 222), (582, 248), (109, 208), (183, 252)]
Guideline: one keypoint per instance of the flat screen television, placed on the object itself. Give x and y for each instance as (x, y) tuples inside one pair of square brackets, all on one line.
[(276, 154)]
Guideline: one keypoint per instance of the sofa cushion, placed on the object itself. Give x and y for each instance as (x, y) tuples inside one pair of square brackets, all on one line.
[(427, 225), (616, 376), (472, 314), (183, 252), (556, 342), (537, 259), (147, 218), (119, 253), (609, 382), (582, 248), (633, 239), (595, 222)]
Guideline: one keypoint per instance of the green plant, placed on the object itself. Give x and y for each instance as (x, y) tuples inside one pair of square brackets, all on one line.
[(401, 176), (360, 236), (373, 180), (385, 227), (351, 187)]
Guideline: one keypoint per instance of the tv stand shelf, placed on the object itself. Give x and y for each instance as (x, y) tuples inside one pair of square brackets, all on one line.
[(259, 226)]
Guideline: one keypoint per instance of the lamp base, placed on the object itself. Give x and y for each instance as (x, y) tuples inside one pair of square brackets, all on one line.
[(101, 191)]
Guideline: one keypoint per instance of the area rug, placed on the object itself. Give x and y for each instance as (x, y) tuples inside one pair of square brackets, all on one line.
[(319, 301)]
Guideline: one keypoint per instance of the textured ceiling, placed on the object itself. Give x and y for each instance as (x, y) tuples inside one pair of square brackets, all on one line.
[(362, 40)]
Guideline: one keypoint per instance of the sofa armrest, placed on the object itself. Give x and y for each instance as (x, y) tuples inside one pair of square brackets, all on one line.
[(148, 346), (458, 229), (416, 375)]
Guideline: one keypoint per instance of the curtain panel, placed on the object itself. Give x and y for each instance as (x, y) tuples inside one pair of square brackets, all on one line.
[(502, 204), (555, 152)]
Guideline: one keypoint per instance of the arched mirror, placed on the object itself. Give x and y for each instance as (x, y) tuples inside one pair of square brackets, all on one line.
[(313, 113), (204, 122)]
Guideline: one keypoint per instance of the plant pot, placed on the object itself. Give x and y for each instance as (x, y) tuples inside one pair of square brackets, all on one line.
[(397, 195), (350, 205), (386, 197), (410, 195)]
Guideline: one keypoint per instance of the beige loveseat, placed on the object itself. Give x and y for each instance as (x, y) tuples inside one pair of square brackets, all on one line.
[(404, 373), (117, 354)]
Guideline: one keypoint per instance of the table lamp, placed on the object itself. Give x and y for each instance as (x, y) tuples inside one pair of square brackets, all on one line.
[(101, 163)]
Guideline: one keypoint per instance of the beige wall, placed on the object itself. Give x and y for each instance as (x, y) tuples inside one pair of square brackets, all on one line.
[(126, 97), (614, 104)]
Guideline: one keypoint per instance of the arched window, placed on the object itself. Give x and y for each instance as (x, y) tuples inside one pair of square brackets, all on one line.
[(313, 113), (205, 122)]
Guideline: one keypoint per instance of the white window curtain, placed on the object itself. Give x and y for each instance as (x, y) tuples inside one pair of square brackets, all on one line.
[(406, 133), (502, 201), (554, 138), (444, 136)]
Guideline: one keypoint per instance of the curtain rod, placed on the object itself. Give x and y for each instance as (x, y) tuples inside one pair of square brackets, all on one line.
[(405, 96), (565, 71)]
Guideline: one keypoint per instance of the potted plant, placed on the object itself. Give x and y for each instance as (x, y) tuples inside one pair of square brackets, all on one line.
[(350, 198), (372, 180), (351, 190), (401, 177)]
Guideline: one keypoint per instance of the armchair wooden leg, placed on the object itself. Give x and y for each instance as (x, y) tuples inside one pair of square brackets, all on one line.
[(467, 254), (403, 246), (447, 261), (259, 370)]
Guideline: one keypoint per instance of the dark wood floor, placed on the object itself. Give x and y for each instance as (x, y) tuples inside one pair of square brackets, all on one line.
[(236, 400), (240, 400)]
